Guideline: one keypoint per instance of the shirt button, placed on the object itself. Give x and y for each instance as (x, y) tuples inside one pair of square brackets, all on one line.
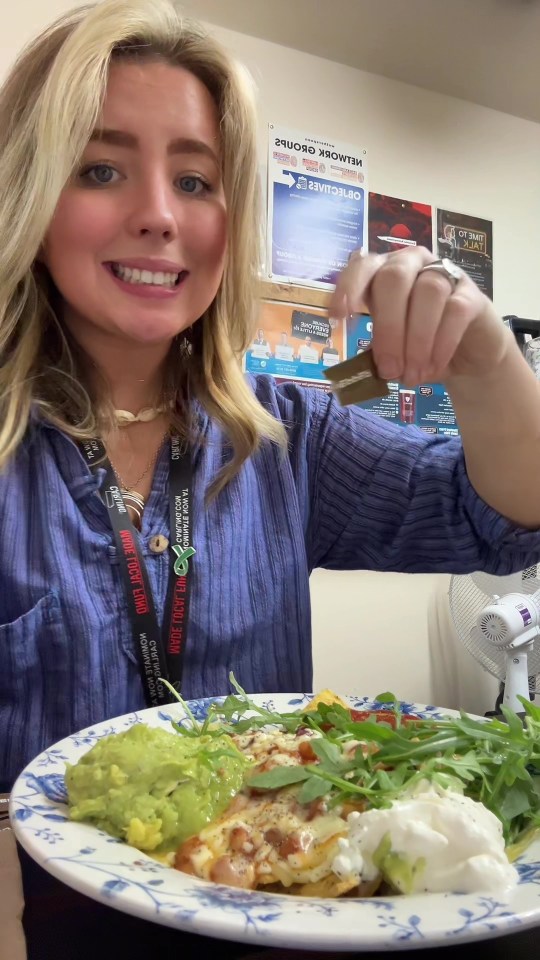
[(158, 543)]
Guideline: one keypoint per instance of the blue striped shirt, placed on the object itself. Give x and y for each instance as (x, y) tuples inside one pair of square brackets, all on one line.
[(354, 492)]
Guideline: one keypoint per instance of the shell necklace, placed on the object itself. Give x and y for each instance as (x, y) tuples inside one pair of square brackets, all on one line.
[(125, 417)]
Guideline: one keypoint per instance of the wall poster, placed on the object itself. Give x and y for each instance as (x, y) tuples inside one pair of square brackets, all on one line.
[(317, 210)]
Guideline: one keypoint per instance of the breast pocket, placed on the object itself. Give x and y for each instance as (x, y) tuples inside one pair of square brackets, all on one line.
[(34, 684)]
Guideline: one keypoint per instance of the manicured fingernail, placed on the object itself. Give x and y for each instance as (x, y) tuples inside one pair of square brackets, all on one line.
[(388, 368)]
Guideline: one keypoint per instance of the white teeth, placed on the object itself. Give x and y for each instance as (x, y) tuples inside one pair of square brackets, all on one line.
[(158, 279)]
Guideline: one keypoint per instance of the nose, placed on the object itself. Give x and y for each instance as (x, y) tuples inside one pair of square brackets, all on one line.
[(152, 212)]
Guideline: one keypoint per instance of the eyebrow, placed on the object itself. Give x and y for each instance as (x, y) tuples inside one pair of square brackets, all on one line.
[(120, 138)]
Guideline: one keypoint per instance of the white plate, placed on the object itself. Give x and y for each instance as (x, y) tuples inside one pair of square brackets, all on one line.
[(122, 877)]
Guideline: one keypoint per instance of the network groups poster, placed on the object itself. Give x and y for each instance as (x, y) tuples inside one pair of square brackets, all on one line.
[(317, 206)]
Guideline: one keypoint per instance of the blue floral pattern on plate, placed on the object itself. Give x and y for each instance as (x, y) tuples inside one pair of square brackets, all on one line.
[(114, 873)]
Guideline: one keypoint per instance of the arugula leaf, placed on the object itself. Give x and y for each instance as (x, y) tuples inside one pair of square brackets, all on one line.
[(195, 725), (387, 698), (279, 777), (466, 767), (530, 708), (312, 789), (385, 781), (516, 801), (371, 730), (236, 706), (515, 725), (328, 752)]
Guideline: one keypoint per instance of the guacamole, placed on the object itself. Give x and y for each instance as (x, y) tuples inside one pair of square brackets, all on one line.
[(154, 788)]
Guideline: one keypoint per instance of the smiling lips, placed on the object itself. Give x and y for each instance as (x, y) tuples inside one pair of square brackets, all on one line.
[(147, 278)]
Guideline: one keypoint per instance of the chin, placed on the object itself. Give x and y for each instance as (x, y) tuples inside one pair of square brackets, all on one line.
[(150, 339), (152, 334)]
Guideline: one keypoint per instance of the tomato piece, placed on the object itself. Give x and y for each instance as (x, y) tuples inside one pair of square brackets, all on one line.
[(381, 716), (359, 715), (378, 716)]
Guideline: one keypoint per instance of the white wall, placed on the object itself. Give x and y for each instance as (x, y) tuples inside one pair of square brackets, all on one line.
[(371, 630)]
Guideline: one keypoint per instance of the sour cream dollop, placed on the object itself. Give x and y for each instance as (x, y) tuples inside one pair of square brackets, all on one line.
[(433, 841)]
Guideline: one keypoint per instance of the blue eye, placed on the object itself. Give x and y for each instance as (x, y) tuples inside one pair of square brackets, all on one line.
[(193, 185), (99, 174)]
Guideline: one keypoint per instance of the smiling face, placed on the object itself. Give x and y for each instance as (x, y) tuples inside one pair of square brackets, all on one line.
[(137, 243)]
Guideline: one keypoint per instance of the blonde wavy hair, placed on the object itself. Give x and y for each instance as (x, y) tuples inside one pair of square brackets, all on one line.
[(49, 106)]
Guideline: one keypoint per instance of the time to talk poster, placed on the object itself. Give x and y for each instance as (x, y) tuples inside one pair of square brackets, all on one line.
[(468, 242)]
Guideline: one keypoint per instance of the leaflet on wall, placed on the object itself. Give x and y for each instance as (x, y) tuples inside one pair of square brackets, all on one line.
[(294, 342), (428, 406), (317, 211), (318, 385), (468, 241), (395, 224)]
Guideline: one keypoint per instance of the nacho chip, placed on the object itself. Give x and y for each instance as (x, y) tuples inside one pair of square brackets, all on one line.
[(330, 886), (328, 697)]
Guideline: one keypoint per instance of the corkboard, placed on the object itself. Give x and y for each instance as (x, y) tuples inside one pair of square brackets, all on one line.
[(290, 293), (293, 293)]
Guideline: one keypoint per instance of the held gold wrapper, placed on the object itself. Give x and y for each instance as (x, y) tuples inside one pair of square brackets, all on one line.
[(356, 380)]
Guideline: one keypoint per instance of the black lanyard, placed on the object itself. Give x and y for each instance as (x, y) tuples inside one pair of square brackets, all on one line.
[(161, 652)]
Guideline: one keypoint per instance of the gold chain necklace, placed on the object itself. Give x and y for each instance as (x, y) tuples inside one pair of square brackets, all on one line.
[(133, 500)]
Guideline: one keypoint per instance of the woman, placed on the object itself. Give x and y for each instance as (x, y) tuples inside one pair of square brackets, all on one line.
[(127, 198)]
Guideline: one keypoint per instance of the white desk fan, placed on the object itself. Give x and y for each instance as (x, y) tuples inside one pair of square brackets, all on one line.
[(498, 621)]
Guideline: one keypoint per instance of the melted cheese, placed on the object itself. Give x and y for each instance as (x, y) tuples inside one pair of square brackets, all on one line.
[(270, 839), (271, 747)]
